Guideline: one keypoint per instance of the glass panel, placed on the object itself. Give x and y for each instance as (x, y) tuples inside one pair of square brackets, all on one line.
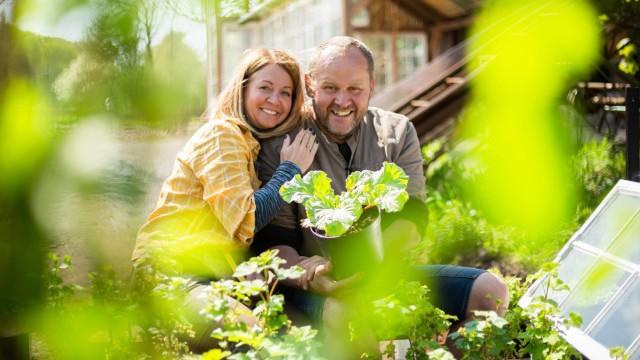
[(308, 37), (317, 34), (626, 245), (612, 218), (595, 291), (379, 45), (411, 54), (573, 266), (336, 27), (621, 326)]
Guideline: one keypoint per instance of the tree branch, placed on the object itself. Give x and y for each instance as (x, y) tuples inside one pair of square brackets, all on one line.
[(187, 9)]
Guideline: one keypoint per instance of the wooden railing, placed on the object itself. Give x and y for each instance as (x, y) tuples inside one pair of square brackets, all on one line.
[(432, 95)]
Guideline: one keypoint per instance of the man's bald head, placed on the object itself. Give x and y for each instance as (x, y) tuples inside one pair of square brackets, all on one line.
[(340, 45)]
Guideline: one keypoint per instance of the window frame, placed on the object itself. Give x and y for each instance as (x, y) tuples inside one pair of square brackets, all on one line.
[(391, 41), (577, 337)]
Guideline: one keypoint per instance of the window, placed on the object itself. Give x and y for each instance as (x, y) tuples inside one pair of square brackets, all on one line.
[(410, 54), (298, 28), (379, 45), (601, 264)]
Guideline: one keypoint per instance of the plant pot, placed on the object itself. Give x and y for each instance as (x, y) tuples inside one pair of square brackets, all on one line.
[(356, 251)]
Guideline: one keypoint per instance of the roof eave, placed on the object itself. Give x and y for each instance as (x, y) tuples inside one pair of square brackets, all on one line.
[(260, 11)]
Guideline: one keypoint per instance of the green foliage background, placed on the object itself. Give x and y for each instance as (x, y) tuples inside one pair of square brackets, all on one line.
[(459, 234)]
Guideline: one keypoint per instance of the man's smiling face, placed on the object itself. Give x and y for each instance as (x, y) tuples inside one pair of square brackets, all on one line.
[(340, 87)]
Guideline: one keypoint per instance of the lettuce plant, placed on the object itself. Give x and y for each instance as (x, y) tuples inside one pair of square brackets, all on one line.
[(335, 214)]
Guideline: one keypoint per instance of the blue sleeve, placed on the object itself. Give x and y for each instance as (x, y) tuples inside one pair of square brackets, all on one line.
[(268, 200)]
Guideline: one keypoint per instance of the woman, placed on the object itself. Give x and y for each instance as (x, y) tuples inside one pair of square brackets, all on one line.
[(211, 204)]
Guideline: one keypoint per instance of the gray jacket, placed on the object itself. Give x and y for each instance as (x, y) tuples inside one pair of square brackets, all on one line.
[(381, 136)]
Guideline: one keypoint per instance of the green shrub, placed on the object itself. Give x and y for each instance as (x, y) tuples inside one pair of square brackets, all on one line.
[(598, 166), (458, 234), (151, 322), (406, 313), (523, 331), (110, 324)]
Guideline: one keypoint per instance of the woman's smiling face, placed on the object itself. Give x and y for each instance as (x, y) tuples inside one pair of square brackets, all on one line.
[(268, 97)]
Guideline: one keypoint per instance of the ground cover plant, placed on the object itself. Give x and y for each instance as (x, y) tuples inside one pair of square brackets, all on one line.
[(523, 331), (111, 320), (116, 323)]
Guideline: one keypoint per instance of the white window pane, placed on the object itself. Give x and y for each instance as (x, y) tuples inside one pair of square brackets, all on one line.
[(627, 245), (595, 291), (621, 326), (619, 211), (380, 46), (410, 52), (287, 20), (317, 34), (336, 27), (573, 266)]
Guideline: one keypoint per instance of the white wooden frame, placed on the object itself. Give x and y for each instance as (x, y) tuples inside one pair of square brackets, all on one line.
[(577, 337)]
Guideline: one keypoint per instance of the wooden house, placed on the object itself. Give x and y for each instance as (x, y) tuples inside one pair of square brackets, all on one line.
[(418, 47)]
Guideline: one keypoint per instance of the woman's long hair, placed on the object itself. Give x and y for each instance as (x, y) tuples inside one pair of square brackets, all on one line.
[(231, 100)]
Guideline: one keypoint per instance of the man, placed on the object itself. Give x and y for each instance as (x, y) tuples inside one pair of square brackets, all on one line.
[(353, 136)]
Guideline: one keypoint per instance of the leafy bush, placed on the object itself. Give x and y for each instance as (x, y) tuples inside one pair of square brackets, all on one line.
[(58, 292), (406, 313), (151, 321), (458, 234), (273, 337), (597, 166), (110, 324), (523, 331)]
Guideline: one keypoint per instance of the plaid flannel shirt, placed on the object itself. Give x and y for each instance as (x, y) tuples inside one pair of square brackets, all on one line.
[(206, 206)]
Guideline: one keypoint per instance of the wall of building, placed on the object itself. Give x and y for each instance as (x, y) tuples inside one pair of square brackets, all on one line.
[(297, 26), (300, 25)]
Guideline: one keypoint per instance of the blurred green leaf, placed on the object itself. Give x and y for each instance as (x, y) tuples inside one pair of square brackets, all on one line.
[(26, 135)]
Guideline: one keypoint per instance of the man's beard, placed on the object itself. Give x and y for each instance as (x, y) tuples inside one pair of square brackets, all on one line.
[(322, 121)]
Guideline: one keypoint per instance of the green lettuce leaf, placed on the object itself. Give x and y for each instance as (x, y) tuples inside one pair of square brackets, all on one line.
[(336, 220), (315, 184), (384, 188), (392, 175), (361, 184), (392, 199)]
